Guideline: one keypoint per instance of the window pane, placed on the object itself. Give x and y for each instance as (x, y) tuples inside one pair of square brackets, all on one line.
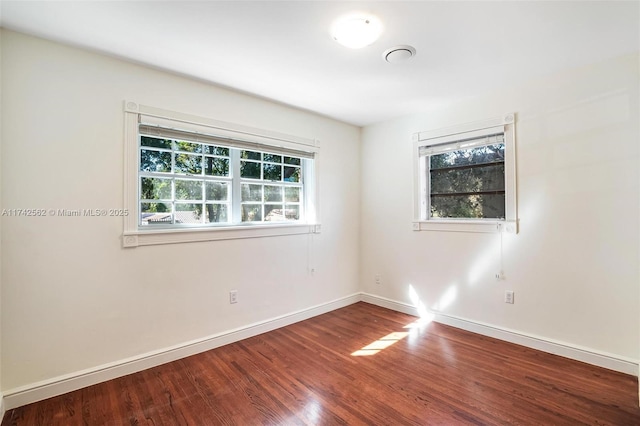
[(291, 174), (468, 183), (490, 206), (292, 195), (155, 142), (188, 190), (155, 161), (292, 213), (188, 164), (273, 213), (251, 192), (188, 213), (155, 189), (472, 179), (216, 166), (250, 155), (272, 193), (292, 160), (188, 146), (155, 214), (251, 213), (216, 150), (249, 170), (273, 172), (273, 158), (215, 213), (216, 191)]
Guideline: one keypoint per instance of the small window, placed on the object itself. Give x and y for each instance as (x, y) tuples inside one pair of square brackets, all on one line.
[(466, 178)]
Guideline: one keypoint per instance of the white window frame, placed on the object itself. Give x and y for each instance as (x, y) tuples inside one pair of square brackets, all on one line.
[(431, 139), (249, 138)]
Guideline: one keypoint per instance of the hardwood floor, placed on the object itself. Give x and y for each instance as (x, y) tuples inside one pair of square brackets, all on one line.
[(306, 374)]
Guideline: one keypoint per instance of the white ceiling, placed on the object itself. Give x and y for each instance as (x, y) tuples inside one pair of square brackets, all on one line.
[(283, 51)]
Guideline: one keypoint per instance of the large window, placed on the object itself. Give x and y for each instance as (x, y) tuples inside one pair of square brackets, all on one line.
[(183, 183), (466, 177), (197, 175)]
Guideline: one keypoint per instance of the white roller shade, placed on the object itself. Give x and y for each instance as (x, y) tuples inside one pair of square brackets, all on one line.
[(458, 144), (246, 139)]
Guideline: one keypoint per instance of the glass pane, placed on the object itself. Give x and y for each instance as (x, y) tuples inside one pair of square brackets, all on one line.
[(477, 178), (292, 213), (251, 213), (188, 190), (292, 195), (464, 157), (155, 142), (489, 206), (188, 213), (251, 192), (216, 166), (273, 213), (155, 161), (249, 170), (216, 150), (273, 172), (216, 191), (250, 155), (292, 160), (291, 174), (155, 189), (272, 193), (188, 164), (155, 214), (215, 213), (188, 146), (273, 158)]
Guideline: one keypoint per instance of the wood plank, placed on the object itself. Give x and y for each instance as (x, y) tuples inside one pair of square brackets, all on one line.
[(305, 374)]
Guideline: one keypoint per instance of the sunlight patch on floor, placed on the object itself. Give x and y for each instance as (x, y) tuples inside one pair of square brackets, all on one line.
[(380, 344)]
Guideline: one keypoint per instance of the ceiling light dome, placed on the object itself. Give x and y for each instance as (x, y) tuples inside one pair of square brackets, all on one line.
[(357, 30)]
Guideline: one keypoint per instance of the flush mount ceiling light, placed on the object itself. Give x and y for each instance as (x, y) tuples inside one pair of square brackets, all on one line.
[(399, 54), (357, 30)]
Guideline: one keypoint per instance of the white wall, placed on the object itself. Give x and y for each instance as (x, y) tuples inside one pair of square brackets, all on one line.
[(1, 396), (573, 266), (72, 298)]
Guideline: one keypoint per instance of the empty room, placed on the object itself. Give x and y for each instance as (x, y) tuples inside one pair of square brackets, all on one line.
[(319, 212)]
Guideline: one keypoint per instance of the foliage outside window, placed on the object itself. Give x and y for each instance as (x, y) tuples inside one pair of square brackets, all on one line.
[(468, 183), (185, 183)]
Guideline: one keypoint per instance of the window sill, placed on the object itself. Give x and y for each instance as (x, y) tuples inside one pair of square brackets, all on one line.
[(489, 226), (174, 236)]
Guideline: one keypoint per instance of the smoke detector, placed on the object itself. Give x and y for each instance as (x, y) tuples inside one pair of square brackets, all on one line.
[(400, 53)]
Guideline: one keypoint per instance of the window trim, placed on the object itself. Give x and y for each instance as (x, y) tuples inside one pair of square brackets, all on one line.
[(421, 219), (133, 236)]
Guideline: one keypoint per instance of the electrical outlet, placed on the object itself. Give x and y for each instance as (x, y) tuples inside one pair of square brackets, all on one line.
[(500, 276), (378, 279), (233, 296), (509, 296)]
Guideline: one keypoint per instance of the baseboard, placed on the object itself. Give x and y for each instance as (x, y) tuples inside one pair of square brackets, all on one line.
[(590, 356), (62, 384), (2, 409)]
